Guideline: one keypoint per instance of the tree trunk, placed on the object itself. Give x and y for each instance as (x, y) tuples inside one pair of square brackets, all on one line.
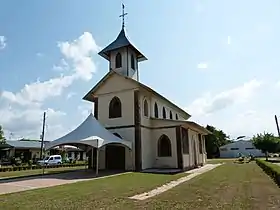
[(266, 156)]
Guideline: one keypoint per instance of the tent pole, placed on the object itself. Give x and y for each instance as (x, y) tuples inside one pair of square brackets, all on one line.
[(97, 159)]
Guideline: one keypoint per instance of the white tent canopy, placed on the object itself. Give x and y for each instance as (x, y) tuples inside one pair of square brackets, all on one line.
[(90, 133)]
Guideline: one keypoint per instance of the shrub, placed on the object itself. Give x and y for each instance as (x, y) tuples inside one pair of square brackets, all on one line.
[(270, 169), (21, 168)]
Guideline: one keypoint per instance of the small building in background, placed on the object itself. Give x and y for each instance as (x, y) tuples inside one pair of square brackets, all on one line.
[(27, 149), (244, 147)]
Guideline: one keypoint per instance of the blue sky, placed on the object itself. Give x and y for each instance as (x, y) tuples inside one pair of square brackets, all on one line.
[(219, 59)]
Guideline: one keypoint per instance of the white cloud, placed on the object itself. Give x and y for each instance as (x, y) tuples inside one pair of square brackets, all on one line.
[(79, 53), (70, 95), (229, 40), (211, 103), (39, 91), (3, 42), (39, 54), (27, 122), (21, 112), (202, 66), (85, 109)]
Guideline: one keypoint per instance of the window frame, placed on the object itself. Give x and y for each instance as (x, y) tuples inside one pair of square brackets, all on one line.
[(112, 114)]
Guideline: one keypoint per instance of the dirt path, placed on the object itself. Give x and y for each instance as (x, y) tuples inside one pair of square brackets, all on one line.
[(174, 183)]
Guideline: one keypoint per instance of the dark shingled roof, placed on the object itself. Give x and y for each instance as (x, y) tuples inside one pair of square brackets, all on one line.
[(24, 144), (121, 41)]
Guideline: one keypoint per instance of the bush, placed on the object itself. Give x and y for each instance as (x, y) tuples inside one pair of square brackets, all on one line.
[(270, 169), (21, 168)]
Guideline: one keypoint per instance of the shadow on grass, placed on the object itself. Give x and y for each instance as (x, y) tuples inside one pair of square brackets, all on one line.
[(66, 175)]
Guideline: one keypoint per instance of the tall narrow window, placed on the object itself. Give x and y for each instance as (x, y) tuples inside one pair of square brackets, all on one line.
[(177, 117), (118, 60), (200, 144), (164, 146), (185, 140), (170, 115), (163, 113), (146, 108), (115, 108), (132, 61), (156, 110)]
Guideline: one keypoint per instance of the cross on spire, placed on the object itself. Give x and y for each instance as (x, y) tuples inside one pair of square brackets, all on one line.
[(122, 15)]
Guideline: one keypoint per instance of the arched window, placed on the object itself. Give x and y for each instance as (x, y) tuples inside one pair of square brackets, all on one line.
[(163, 113), (156, 110), (170, 115), (176, 117), (118, 135), (164, 146), (118, 60), (132, 61), (146, 108), (115, 108)]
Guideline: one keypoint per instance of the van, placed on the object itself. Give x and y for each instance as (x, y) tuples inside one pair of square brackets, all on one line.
[(51, 160)]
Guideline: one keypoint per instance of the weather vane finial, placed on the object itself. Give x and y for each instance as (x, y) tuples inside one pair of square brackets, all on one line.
[(122, 15)]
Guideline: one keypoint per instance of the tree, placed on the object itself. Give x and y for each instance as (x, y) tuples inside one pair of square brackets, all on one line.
[(2, 137), (267, 143), (214, 141)]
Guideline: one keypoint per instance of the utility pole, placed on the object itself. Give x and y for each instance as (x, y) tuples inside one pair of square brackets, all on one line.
[(277, 125), (43, 135)]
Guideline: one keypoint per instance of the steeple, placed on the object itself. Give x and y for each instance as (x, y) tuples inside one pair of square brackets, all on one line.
[(123, 57)]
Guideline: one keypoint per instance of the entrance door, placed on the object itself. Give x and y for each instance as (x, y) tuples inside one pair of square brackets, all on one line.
[(115, 157), (194, 152)]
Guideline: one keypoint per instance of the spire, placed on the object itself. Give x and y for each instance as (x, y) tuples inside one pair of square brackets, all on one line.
[(120, 42), (122, 16)]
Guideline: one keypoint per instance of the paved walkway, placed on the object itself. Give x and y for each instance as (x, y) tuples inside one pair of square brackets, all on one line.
[(23, 184), (192, 173)]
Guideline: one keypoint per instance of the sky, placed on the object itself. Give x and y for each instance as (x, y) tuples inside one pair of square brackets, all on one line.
[(219, 59)]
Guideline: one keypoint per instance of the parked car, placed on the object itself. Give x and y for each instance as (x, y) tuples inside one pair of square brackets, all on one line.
[(51, 160)]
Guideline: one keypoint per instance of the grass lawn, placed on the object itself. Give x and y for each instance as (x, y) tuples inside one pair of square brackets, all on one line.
[(228, 187), (109, 193), (37, 171), (221, 160)]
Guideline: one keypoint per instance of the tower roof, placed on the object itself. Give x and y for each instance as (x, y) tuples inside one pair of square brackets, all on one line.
[(121, 41)]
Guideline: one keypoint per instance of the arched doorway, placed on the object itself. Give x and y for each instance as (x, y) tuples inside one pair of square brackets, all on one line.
[(115, 156)]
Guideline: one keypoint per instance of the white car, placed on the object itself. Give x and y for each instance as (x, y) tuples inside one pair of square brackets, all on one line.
[(51, 160)]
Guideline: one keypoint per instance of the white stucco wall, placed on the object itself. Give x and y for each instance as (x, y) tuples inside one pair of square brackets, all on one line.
[(194, 151), (166, 162), (148, 148), (126, 63), (227, 152), (129, 135), (127, 100), (35, 152)]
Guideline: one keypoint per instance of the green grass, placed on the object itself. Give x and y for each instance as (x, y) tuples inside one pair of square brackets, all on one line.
[(108, 193), (37, 172), (221, 160), (231, 186)]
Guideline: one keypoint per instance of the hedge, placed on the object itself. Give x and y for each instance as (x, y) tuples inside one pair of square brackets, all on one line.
[(270, 169), (23, 168)]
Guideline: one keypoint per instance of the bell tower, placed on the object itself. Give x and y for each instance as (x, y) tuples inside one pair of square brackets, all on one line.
[(123, 57)]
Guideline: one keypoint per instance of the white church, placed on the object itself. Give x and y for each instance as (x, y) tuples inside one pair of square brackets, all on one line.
[(133, 127)]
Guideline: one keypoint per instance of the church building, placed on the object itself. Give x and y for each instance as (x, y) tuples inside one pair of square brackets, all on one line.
[(158, 129), (158, 132)]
